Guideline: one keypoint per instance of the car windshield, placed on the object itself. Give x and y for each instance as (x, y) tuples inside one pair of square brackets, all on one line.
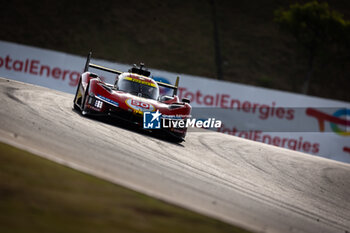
[(147, 90)]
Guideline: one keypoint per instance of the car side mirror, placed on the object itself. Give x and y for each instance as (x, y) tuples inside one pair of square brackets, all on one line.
[(185, 100), (165, 98)]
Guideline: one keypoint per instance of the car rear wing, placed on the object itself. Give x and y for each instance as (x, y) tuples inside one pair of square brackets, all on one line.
[(88, 64), (174, 87)]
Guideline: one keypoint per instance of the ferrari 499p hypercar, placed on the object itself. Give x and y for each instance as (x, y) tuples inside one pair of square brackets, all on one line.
[(134, 97)]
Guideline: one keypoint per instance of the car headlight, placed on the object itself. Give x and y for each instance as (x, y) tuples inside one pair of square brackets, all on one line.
[(95, 102)]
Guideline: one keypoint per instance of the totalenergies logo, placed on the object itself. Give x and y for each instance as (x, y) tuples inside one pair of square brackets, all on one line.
[(334, 120)]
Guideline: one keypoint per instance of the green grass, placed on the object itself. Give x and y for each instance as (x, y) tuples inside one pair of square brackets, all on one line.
[(38, 195), (178, 36)]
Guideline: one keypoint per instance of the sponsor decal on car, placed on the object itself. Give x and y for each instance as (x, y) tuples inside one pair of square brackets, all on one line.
[(140, 80), (139, 106), (107, 100)]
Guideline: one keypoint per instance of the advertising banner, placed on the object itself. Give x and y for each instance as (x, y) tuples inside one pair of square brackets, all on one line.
[(303, 123)]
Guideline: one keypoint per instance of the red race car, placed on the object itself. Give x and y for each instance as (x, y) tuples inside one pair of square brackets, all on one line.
[(134, 97)]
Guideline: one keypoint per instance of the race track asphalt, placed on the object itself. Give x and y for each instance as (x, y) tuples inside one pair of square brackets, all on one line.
[(259, 187)]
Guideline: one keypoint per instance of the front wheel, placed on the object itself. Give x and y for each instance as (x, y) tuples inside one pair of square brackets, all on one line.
[(80, 98), (84, 99), (77, 97)]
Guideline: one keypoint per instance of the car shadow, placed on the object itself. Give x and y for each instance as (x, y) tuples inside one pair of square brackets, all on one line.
[(126, 125)]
